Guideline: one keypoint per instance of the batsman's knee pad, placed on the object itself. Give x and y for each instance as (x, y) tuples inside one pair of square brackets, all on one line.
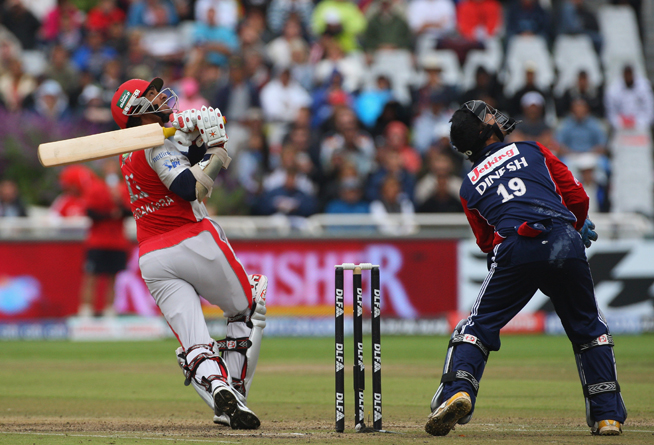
[(590, 358), (242, 346), (450, 375)]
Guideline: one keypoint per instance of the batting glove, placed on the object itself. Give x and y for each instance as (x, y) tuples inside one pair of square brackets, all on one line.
[(212, 127), (587, 233), (186, 125)]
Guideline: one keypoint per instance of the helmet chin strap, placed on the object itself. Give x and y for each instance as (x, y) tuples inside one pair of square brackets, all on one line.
[(498, 132)]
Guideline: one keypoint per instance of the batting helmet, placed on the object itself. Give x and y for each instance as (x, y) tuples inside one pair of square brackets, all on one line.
[(129, 100)]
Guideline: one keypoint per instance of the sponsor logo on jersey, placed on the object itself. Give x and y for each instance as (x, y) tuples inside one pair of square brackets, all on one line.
[(161, 156), (172, 163), (492, 162)]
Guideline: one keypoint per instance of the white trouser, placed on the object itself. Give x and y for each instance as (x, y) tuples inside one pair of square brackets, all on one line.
[(205, 265)]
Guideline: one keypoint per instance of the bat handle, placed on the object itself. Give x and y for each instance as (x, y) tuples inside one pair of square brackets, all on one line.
[(168, 131)]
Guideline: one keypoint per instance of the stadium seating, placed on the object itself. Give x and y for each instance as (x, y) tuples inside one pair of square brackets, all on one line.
[(490, 58), (571, 55), (522, 50), (449, 63), (619, 27)]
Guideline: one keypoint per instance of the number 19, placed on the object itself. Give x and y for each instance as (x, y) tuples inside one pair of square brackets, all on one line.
[(516, 185)]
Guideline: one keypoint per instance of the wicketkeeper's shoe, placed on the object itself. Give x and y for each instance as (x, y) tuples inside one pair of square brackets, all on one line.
[(445, 417), (607, 428), (240, 416)]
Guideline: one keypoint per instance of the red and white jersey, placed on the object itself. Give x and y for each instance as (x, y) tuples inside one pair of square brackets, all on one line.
[(148, 174)]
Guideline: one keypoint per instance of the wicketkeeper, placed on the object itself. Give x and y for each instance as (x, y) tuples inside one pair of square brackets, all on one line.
[(529, 214), (185, 255)]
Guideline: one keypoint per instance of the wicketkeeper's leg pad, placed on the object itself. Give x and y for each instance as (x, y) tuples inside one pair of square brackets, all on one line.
[(451, 375), (242, 346), (599, 380)]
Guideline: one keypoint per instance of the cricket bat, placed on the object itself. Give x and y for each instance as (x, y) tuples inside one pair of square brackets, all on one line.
[(103, 145)]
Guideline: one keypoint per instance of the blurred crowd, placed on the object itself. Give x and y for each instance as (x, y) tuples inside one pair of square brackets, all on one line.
[(313, 129)]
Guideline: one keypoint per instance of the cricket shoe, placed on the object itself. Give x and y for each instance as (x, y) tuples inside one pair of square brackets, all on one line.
[(607, 428), (443, 419), (222, 419), (240, 416)]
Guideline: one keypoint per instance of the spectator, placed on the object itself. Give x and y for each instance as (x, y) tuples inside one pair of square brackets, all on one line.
[(301, 69), (580, 132), (582, 90), (50, 101), (441, 200), (70, 33), (189, 95), (527, 17), (104, 15), (61, 69), (431, 20), (325, 98), (629, 101), (64, 19), (390, 164), (393, 201), (21, 22), (151, 13), (252, 163), (531, 72), (15, 86), (586, 167), (340, 19), (439, 164), (11, 204), (428, 120), (434, 85), (289, 165), (226, 12), (105, 243), (387, 27), (350, 66), (347, 144), (95, 110), (10, 48), (486, 88), (280, 11), (255, 68), (280, 49), (370, 103), (216, 41), (533, 126), (392, 111), (239, 94), (576, 18), (93, 55), (479, 19), (287, 200), (282, 97), (350, 198), (397, 135)]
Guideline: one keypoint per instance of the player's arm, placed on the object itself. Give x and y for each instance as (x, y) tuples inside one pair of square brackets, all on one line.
[(573, 193), (484, 232)]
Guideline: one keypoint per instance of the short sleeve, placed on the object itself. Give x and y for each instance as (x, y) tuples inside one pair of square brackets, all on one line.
[(167, 162)]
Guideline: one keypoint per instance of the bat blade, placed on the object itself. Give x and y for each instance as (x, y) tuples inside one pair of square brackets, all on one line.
[(102, 145)]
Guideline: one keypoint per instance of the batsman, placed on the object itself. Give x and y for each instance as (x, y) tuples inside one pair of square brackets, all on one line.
[(185, 255), (529, 214)]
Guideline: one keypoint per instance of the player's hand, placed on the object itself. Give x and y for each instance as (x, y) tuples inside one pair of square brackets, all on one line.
[(212, 127), (588, 233), (185, 121)]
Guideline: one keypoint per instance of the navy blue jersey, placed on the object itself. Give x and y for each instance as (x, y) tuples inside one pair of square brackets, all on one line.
[(518, 183)]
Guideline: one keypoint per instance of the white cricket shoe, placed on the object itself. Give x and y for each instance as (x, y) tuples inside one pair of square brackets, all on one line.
[(445, 417), (607, 428), (259, 285), (222, 419), (240, 416)]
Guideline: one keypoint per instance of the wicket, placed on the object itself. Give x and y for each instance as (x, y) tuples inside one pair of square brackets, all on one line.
[(359, 376)]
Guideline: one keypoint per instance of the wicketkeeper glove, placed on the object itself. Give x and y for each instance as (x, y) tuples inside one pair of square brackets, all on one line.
[(587, 233)]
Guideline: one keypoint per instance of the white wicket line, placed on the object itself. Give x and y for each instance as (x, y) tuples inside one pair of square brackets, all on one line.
[(118, 436)]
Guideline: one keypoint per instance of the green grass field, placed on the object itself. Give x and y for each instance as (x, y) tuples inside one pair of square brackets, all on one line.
[(133, 393)]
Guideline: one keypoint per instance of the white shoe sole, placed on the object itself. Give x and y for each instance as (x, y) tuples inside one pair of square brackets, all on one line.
[(441, 421)]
